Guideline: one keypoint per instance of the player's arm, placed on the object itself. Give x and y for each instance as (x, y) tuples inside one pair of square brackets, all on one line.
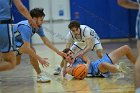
[(68, 44), (128, 4), (23, 10), (25, 48), (69, 70), (51, 46), (87, 60), (64, 67), (69, 40), (89, 43), (25, 32)]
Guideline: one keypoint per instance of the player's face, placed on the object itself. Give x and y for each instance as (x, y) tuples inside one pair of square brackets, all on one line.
[(39, 21), (75, 31), (70, 57)]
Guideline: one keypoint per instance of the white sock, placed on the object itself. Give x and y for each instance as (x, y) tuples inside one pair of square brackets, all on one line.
[(137, 90)]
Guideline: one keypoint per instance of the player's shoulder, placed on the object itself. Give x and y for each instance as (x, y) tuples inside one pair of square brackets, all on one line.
[(69, 33), (84, 27), (24, 23)]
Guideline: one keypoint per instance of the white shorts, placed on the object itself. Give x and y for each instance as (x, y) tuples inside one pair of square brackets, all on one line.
[(78, 46)]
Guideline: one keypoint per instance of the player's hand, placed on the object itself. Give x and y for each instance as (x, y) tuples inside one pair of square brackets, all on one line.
[(62, 54), (43, 62), (33, 23), (87, 66)]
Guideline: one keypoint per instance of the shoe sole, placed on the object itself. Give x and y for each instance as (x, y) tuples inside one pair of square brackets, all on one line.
[(44, 81), (56, 74)]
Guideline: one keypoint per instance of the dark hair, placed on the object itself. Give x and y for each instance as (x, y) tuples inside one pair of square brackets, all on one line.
[(74, 23), (66, 50), (37, 12)]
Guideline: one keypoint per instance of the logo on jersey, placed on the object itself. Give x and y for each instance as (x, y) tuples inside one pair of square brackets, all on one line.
[(92, 33)]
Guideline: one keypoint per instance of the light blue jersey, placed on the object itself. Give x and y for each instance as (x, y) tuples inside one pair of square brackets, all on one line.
[(5, 9), (23, 32), (93, 68), (78, 61)]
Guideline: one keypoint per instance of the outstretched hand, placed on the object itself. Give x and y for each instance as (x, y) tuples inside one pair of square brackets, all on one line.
[(44, 62)]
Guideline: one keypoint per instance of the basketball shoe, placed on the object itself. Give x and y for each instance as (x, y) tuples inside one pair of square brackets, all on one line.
[(42, 78), (57, 71)]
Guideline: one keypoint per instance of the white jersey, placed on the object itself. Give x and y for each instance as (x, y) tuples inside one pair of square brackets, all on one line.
[(85, 32), (79, 43)]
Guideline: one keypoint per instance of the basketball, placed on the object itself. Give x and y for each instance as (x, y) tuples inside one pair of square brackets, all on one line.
[(80, 71)]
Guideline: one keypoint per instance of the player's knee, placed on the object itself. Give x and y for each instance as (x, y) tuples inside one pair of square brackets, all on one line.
[(103, 67), (126, 47)]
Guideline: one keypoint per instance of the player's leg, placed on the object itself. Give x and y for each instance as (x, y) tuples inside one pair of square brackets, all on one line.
[(98, 48), (115, 56), (41, 77), (8, 61), (35, 63), (137, 67), (18, 59), (118, 53), (107, 67), (7, 47)]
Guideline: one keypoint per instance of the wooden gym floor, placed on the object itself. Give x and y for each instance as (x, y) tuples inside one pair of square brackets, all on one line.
[(22, 78)]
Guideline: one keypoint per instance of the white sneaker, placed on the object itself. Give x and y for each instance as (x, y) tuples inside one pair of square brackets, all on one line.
[(89, 75), (42, 78), (57, 71), (123, 68)]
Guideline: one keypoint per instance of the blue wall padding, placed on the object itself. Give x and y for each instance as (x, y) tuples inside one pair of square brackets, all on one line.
[(107, 18)]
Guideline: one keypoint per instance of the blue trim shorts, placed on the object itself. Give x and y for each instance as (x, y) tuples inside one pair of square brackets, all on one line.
[(7, 39)]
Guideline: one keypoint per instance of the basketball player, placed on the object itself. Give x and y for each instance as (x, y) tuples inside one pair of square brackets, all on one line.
[(7, 47), (23, 33), (81, 39), (103, 66), (135, 5)]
